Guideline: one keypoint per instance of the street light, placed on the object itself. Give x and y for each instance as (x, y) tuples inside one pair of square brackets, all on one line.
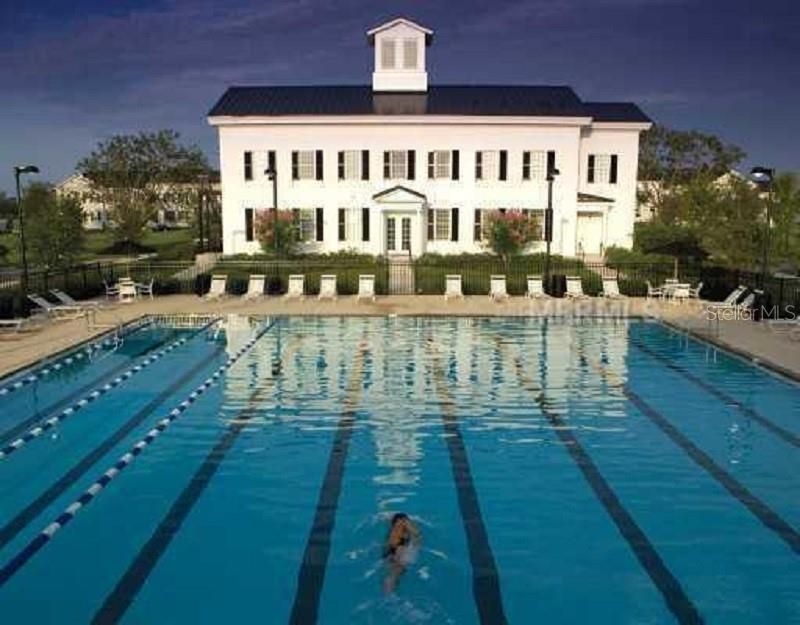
[(18, 171), (548, 223), (764, 177), (272, 175), (202, 200)]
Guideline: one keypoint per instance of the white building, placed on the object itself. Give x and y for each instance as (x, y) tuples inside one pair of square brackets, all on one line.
[(403, 167)]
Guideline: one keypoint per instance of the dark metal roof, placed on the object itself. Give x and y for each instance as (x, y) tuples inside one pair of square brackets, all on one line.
[(588, 198), (398, 187), (615, 112)]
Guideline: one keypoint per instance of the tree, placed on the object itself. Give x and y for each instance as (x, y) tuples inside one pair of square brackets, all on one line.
[(785, 243), (288, 235), (510, 232), (135, 175), (678, 241), (8, 207), (53, 226)]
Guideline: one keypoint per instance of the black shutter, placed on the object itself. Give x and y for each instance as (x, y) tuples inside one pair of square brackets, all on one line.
[(430, 224), (478, 165), (612, 174), (248, 224), (341, 225), (431, 165), (526, 165), (271, 162), (590, 171), (455, 165), (412, 162), (319, 166), (295, 167), (340, 165), (454, 224), (476, 231), (365, 224), (387, 172), (248, 165), (364, 164), (551, 162), (503, 165), (319, 224)]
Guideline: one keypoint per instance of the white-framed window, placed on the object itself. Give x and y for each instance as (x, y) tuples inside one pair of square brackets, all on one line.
[(349, 226), (398, 164), (439, 224), (410, 54), (306, 165), (534, 165), (439, 164), (491, 165), (307, 224), (351, 164), (388, 56), (602, 169)]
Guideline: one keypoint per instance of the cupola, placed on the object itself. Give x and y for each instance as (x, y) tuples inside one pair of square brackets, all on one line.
[(400, 47)]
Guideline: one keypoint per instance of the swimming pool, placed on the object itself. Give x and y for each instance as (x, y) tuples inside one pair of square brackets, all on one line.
[(560, 472)]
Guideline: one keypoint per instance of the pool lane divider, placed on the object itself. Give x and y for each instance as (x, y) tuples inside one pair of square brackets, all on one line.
[(127, 588), (62, 363), (485, 577), (50, 423), (311, 576), (752, 413), (768, 517), (11, 529), (669, 586), (70, 512)]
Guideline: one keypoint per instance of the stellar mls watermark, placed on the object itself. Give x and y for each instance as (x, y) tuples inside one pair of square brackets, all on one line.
[(741, 313)]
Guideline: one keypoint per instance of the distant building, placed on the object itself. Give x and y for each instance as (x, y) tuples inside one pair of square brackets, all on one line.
[(405, 167)]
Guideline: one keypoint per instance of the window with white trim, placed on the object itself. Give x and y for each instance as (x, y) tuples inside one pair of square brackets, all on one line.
[(307, 224), (536, 165), (439, 224), (487, 165), (388, 56), (306, 165), (440, 164), (602, 169), (398, 164), (352, 165), (349, 225), (410, 54)]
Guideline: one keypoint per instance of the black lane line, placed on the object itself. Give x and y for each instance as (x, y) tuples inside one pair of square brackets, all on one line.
[(10, 530), (121, 597), (760, 509), (786, 435), (305, 609), (485, 578), (668, 585), (58, 406)]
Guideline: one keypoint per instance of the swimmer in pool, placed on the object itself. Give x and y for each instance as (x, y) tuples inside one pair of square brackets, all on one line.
[(400, 550)]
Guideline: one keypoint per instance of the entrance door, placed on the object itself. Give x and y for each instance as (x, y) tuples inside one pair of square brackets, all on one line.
[(589, 234), (398, 234)]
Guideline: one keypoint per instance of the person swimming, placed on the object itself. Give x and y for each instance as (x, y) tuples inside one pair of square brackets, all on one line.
[(400, 549)]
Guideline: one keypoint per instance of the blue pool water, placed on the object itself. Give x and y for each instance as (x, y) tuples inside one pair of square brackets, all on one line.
[(560, 472)]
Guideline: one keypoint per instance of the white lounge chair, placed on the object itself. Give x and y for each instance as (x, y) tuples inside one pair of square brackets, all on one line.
[(296, 286), (694, 293), (497, 288), (56, 311), (145, 288), (535, 288), (17, 325), (67, 300), (575, 288), (366, 287), (217, 288), (452, 286), (611, 289), (112, 290), (255, 287), (327, 286), (654, 291)]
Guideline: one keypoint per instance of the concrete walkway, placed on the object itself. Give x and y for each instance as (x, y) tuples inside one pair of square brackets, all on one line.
[(755, 341)]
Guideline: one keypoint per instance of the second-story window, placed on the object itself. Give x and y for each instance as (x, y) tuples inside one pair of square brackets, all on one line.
[(491, 165), (353, 165), (602, 169), (441, 164), (248, 165), (399, 164), (307, 165)]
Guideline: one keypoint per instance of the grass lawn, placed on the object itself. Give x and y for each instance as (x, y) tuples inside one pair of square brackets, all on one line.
[(169, 245)]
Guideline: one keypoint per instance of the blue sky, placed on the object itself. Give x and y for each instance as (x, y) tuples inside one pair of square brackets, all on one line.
[(73, 73)]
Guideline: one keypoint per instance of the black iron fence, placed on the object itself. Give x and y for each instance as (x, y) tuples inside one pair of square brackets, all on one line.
[(425, 276)]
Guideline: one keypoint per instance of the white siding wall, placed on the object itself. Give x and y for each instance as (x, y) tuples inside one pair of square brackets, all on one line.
[(572, 145)]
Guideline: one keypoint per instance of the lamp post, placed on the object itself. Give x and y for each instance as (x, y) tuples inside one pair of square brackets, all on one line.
[(272, 175), (18, 171), (202, 200), (548, 223), (764, 178)]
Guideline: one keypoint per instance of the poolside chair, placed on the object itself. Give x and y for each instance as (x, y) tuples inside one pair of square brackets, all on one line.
[(575, 288), (255, 287), (143, 288), (56, 311), (327, 286), (535, 288), (127, 292), (296, 286), (653, 291), (366, 287), (497, 288), (217, 288), (67, 300), (732, 300), (452, 286), (17, 325), (112, 290), (611, 289), (694, 293)]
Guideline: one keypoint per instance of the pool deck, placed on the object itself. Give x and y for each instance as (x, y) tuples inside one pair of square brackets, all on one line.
[(759, 342)]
